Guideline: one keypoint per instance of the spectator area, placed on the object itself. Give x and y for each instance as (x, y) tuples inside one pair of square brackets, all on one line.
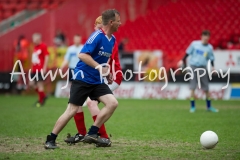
[(168, 25), (172, 27), (9, 8)]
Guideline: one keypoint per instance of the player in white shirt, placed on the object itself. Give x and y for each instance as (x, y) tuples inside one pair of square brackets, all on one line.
[(200, 52), (71, 59)]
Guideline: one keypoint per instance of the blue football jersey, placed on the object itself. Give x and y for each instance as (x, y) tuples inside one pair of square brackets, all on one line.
[(100, 47)]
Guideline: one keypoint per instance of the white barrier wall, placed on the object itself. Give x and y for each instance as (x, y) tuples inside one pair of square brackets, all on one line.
[(225, 59), (145, 90)]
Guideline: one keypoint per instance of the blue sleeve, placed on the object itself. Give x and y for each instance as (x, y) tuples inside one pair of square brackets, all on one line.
[(190, 49), (67, 55), (211, 55), (91, 44)]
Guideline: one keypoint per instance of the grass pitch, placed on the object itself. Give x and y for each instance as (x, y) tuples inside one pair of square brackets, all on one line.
[(140, 129)]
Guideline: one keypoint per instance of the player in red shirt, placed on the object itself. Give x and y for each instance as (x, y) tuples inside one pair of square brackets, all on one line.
[(39, 68), (93, 105)]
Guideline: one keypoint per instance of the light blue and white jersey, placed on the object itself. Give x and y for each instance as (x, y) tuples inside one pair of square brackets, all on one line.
[(71, 55), (200, 53)]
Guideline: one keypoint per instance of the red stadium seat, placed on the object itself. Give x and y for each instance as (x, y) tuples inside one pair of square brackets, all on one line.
[(54, 5), (237, 46), (7, 14), (7, 6), (21, 6), (1, 14), (45, 5), (33, 6)]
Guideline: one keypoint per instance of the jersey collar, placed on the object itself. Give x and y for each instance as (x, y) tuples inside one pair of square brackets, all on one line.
[(109, 39)]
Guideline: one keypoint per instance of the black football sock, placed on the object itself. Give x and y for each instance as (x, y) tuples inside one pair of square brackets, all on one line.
[(93, 130), (54, 136), (208, 102)]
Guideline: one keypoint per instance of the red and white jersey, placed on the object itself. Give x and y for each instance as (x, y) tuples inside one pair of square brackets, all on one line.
[(38, 57), (115, 57)]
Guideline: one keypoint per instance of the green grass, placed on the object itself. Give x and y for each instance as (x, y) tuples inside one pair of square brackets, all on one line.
[(140, 129)]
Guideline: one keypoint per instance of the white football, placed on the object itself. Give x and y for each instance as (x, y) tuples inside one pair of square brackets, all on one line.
[(209, 139)]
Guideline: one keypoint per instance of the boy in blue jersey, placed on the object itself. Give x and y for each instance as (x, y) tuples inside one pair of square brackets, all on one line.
[(200, 53), (88, 81)]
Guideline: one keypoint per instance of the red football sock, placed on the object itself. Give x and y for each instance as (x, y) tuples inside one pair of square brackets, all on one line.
[(80, 124), (102, 129), (41, 96)]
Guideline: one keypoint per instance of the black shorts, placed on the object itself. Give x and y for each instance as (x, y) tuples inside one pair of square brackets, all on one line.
[(80, 91), (37, 76)]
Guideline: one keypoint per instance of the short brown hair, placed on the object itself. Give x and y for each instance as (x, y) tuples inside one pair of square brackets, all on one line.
[(109, 15), (205, 33)]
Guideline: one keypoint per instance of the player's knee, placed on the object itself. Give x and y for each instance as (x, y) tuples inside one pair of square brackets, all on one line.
[(114, 103), (92, 104), (89, 103), (72, 110), (31, 84)]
